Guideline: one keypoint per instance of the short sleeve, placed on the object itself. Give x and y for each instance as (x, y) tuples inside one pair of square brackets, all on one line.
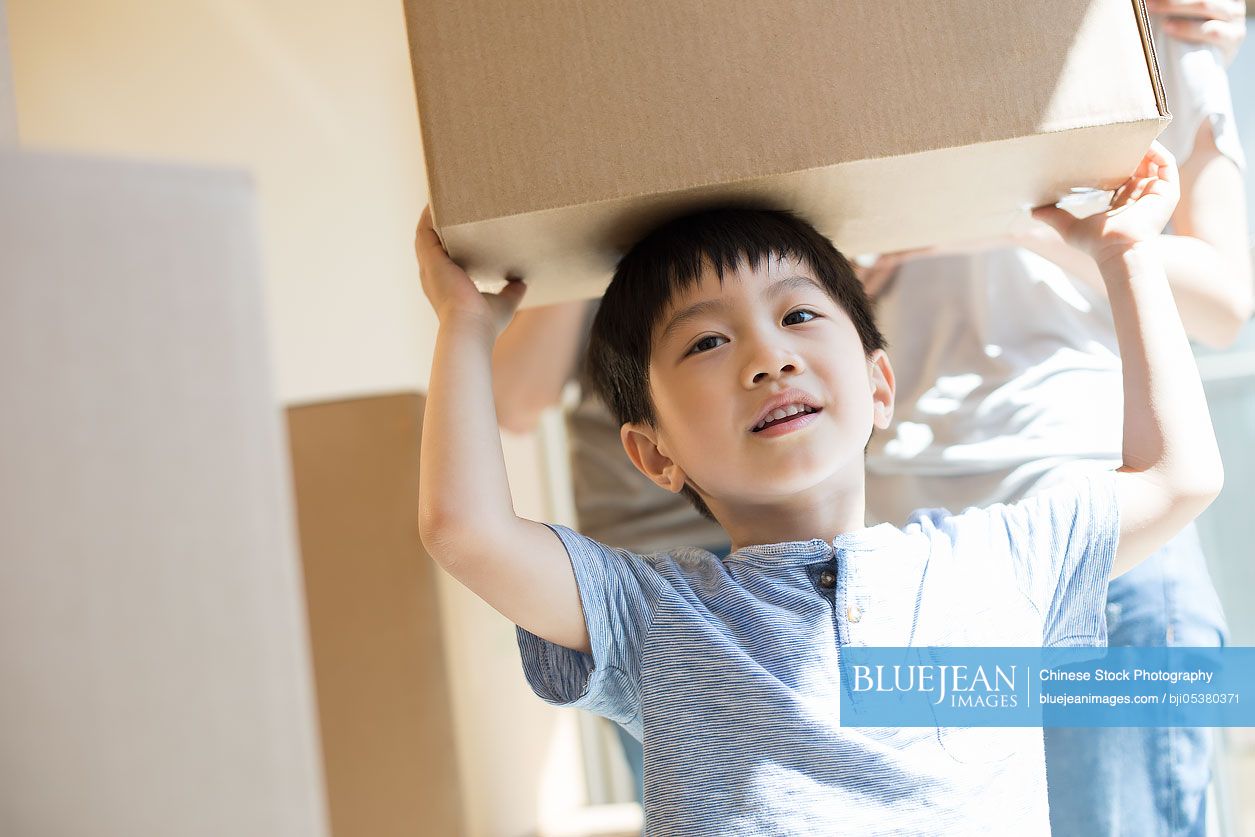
[(617, 592), (1062, 544), (1197, 89)]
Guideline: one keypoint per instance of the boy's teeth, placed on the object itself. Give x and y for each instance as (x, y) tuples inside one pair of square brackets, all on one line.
[(783, 412)]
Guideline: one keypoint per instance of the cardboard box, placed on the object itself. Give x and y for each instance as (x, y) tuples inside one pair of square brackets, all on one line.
[(556, 132), (384, 698)]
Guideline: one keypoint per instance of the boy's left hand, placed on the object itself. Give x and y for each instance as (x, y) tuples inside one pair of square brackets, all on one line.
[(1139, 210)]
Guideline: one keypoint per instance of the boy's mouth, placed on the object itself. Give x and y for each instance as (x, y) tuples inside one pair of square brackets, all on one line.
[(786, 419)]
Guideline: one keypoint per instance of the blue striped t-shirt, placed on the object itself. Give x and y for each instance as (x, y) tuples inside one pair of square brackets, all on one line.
[(727, 668)]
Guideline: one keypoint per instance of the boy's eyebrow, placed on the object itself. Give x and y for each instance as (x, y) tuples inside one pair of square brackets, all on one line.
[(708, 306)]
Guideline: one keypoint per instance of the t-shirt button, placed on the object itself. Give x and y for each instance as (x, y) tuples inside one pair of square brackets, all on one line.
[(827, 579), (854, 613)]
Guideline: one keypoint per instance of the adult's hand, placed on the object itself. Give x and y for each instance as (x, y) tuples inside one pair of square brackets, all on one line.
[(878, 274), (1218, 22), (875, 275)]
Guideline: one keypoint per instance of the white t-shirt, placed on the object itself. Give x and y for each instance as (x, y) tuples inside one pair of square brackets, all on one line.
[(1007, 368)]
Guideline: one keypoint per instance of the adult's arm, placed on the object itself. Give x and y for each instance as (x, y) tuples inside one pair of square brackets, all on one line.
[(534, 359)]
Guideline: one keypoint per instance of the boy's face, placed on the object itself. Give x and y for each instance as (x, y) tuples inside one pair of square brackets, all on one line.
[(724, 356)]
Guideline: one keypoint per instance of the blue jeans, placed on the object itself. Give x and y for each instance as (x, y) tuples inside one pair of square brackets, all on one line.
[(633, 750), (1142, 781)]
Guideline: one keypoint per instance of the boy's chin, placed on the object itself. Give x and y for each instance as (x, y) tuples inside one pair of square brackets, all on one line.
[(799, 480)]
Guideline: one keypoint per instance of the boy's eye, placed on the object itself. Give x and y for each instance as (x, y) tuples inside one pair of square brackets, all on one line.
[(705, 344), (805, 314)]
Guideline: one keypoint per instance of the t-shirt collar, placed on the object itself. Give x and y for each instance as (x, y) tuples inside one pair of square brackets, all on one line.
[(870, 539)]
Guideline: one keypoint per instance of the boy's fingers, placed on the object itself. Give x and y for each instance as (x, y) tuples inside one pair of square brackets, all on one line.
[(513, 292), (426, 241), (507, 300), (1159, 153), (1059, 220), (1166, 162), (424, 223), (1129, 192), (1139, 188)]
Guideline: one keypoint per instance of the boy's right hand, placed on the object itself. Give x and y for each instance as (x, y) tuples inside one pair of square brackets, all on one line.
[(1139, 210), (452, 293)]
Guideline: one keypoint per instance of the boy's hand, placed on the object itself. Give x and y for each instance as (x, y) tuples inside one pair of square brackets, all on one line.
[(451, 292), (1139, 211)]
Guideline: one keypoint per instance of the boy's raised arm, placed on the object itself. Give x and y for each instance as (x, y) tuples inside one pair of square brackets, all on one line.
[(1172, 468), (466, 515)]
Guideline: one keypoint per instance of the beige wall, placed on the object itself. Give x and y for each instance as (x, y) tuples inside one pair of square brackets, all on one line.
[(315, 101)]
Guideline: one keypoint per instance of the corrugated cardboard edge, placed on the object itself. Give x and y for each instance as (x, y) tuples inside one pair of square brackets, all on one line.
[(916, 188), (1152, 59), (433, 177)]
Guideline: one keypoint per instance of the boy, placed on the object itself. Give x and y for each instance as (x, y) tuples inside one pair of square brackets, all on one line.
[(738, 352)]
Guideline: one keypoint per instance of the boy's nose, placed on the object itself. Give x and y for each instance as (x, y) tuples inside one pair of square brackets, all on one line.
[(770, 365)]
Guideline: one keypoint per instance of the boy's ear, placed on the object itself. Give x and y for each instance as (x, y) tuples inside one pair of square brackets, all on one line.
[(880, 378), (641, 443)]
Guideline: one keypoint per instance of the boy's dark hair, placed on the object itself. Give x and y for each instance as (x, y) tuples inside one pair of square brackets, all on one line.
[(669, 260)]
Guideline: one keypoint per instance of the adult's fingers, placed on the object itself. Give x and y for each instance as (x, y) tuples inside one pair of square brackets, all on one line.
[(875, 279), (1222, 33), (1226, 10)]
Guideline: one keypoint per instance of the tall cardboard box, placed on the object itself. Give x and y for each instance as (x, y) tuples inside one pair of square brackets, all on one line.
[(384, 700), (556, 132), (153, 640)]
